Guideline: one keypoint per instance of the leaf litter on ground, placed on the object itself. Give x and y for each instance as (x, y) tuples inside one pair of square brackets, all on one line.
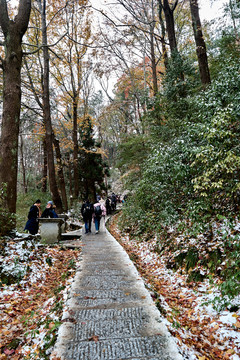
[(201, 332), (35, 281)]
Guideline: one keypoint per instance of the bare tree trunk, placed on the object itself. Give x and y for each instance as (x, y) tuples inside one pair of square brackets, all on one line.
[(164, 49), (13, 31), (75, 151), (170, 24), (153, 63), (168, 9), (45, 167), (200, 44), (47, 112), (61, 174), (70, 177), (23, 165)]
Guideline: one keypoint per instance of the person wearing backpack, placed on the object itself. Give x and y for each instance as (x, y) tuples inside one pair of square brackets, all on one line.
[(99, 211), (87, 212)]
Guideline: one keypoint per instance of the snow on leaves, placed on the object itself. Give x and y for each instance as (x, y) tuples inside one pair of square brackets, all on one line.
[(200, 331), (31, 304)]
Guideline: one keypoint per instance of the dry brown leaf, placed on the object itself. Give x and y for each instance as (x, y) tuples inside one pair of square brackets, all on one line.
[(94, 338)]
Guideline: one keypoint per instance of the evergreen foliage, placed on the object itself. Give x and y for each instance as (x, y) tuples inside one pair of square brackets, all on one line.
[(92, 168), (191, 170)]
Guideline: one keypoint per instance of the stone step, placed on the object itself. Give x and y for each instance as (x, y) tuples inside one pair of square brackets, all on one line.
[(109, 313), (105, 282), (146, 348), (105, 299)]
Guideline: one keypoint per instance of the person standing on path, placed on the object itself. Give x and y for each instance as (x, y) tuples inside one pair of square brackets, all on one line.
[(33, 215), (108, 205), (87, 212), (99, 211), (113, 201)]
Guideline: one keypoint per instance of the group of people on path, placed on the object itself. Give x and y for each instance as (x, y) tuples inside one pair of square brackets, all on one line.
[(90, 212), (34, 214), (94, 212)]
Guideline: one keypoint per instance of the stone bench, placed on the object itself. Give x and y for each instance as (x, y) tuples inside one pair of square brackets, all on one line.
[(50, 230), (64, 225)]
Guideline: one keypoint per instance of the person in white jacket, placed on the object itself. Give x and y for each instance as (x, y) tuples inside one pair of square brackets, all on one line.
[(99, 211)]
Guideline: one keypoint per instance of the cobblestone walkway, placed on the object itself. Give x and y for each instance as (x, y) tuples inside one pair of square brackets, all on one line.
[(111, 315)]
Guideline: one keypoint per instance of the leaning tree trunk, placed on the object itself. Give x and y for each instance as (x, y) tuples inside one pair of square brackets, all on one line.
[(200, 44), (47, 112), (13, 31)]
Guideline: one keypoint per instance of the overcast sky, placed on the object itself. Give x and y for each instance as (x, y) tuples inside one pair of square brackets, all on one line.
[(210, 9)]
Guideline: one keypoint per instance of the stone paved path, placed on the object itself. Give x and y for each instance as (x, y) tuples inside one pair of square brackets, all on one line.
[(111, 315)]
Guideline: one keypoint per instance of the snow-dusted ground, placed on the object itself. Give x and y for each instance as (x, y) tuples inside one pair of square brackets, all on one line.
[(29, 309), (202, 332)]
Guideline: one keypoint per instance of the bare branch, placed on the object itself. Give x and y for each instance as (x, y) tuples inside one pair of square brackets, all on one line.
[(133, 25), (32, 87), (42, 46), (175, 5)]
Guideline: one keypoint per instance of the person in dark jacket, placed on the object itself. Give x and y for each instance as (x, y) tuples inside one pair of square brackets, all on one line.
[(49, 212), (108, 205), (87, 211), (33, 215)]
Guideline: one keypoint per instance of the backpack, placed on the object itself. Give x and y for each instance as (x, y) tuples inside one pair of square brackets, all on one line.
[(87, 210), (98, 210)]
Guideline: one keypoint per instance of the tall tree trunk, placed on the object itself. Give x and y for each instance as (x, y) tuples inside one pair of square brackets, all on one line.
[(47, 112), (70, 176), (200, 44), (45, 167), (170, 24), (61, 174), (153, 63), (75, 150), (170, 27), (164, 49), (23, 165), (13, 31)]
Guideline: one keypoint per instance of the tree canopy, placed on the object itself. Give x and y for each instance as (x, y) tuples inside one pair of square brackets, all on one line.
[(168, 121)]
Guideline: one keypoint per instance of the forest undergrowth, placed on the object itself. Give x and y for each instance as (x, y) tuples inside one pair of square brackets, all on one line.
[(189, 281)]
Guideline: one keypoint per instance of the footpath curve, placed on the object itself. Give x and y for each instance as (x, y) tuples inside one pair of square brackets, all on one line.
[(110, 314)]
